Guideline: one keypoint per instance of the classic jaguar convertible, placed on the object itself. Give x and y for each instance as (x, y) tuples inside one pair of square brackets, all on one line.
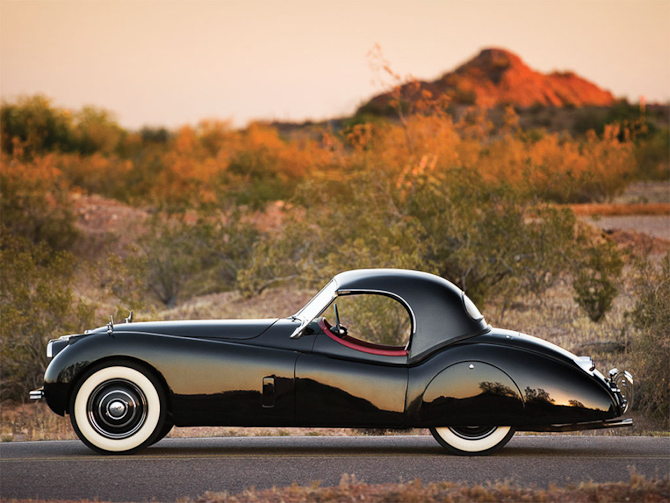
[(375, 348)]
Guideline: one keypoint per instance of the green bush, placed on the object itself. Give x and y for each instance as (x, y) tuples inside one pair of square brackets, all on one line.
[(595, 283), (177, 258), (492, 241), (36, 304), (650, 347), (337, 226)]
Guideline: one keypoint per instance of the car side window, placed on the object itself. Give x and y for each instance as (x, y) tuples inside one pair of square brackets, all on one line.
[(372, 318)]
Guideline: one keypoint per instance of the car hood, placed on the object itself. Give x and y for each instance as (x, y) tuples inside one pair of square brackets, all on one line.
[(202, 329)]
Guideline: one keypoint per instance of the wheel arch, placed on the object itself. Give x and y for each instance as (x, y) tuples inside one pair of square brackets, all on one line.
[(66, 369), (121, 360)]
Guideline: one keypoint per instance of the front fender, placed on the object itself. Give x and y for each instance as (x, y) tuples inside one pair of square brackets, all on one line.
[(72, 361), (208, 382)]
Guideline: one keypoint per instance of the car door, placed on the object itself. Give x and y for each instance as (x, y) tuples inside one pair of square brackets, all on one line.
[(358, 378)]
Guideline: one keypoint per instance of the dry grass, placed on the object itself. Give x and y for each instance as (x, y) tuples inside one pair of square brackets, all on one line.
[(33, 421), (636, 489)]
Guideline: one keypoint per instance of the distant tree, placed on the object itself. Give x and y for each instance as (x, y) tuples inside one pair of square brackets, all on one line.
[(97, 131), (154, 135), (32, 125)]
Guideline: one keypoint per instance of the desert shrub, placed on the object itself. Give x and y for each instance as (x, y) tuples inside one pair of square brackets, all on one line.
[(340, 225), (186, 174), (650, 348), (652, 154), (178, 257), (265, 167), (488, 239), (36, 304), (106, 175), (597, 271), (35, 201)]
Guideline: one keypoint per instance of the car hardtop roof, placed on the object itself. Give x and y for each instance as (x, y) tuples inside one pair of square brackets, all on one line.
[(362, 278), (436, 305)]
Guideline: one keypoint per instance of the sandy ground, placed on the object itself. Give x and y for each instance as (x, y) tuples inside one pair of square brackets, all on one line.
[(657, 226)]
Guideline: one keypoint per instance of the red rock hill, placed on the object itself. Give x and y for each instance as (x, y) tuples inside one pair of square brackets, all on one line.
[(499, 77)]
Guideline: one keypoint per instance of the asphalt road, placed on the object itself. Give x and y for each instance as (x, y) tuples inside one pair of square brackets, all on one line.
[(176, 468)]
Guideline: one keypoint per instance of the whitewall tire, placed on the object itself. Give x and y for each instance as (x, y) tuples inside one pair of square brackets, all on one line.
[(472, 440), (118, 409)]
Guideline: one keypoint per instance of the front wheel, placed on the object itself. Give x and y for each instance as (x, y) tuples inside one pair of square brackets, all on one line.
[(472, 440), (118, 409), (167, 428)]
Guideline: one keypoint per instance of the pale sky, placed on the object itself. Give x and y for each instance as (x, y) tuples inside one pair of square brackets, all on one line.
[(170, 63)]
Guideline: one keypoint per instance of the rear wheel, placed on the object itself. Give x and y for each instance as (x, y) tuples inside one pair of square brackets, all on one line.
[(472, 440), (118, 409)]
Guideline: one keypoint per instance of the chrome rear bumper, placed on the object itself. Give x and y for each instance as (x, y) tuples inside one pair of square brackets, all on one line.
[(594, 425), (37, 394)]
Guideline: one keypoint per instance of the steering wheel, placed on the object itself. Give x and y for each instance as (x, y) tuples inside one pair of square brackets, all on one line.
[(339, 329)]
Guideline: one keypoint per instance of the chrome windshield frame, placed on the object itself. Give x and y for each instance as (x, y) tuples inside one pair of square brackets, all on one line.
[(314, 307)]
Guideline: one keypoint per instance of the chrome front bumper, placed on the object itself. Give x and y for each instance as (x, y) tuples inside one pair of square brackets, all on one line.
[(37, 394)]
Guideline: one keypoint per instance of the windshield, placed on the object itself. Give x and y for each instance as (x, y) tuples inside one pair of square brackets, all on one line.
[(318, 304)]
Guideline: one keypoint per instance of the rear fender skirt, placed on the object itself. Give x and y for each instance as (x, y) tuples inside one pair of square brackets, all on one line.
[(471, 392)]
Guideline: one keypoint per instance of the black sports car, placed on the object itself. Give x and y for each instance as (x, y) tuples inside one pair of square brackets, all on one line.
[(410, 350)]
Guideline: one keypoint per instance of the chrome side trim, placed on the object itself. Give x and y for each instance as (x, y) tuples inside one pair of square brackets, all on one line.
[(595, 425), (37, 394)]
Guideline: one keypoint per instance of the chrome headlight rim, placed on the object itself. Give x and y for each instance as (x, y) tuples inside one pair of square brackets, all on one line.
[(55, 346), (622, 382)]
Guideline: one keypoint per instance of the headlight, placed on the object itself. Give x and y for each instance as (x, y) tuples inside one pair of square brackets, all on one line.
[(50, 348), (55, 346)]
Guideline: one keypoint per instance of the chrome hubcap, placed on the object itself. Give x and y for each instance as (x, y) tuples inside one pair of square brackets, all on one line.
[(117, 408)]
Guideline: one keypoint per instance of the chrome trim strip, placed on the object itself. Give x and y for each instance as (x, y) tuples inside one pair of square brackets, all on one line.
[(595, 425)]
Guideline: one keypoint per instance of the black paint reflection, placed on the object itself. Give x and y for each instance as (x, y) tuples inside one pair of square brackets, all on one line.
[(537, 396), (498, 389), (468, 393)]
